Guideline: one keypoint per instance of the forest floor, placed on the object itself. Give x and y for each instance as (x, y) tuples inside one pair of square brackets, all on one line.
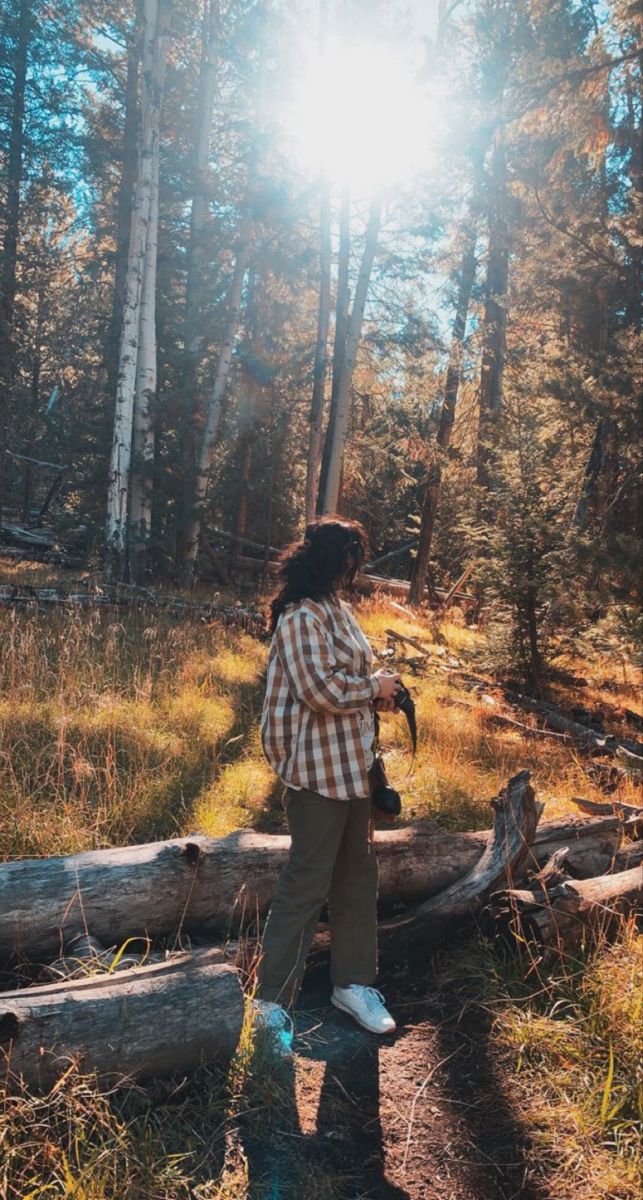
[(507, 1078)]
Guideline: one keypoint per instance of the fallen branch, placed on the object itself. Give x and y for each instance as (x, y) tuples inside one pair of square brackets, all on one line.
[(611, 808), (562, 916)]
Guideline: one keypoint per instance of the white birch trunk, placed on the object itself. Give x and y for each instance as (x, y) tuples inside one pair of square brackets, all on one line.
[(215, 405), (140, 505), (321, 357), (331, 492), (119, 469)]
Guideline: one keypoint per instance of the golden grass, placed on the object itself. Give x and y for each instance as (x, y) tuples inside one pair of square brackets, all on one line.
[(110, 730), (577, 1051)]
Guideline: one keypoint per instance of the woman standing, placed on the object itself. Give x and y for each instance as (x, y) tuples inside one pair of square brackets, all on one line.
[(317, 732)]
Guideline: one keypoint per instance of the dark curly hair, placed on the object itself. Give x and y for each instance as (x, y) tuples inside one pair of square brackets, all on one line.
[(331, 554)]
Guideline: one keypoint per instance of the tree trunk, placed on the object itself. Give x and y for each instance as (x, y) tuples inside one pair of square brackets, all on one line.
[(199, 248), (154, 49), (336, 455), (140, 504), (10, 244), (200, 883), (34, 403), (447, 418), (586, 502), (134, 1024), (339, 341), (189, 548), (124, 215), (494, 334), (568, 913), (321, 355)]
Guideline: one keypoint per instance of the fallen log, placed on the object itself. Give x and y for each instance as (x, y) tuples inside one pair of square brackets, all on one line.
[(146, 1021), (516, 816), (205, 885), (627, 752), (562, 916), (613, 807)]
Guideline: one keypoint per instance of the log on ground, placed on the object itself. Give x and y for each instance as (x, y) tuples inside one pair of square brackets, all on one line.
[(516, 816), (565, 914), (143, 1022), (208, 885)]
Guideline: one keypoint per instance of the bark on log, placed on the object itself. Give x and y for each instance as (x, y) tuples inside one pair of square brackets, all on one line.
[(140, 1023), (204, 884), (506, 853), (562, 916)]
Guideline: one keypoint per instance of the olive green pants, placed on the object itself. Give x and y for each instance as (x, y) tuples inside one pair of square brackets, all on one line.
[(331, 858)]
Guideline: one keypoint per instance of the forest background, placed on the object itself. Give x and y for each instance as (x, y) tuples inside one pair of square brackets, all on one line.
[(213, 328)]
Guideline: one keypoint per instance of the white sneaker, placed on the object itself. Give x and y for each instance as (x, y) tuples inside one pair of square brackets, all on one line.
[(366, 1005), (277, 1022)]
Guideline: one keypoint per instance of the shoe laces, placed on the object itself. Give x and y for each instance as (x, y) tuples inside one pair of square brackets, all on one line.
[(373, 998)]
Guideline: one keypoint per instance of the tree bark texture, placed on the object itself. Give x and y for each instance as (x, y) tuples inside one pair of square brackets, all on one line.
[(505, 857), (12, 219), (321, 355), (204, 884), (140, 502), (494, 332), (134, 1024), (153, 66), (342, 304), (336, 456), (129, 163)]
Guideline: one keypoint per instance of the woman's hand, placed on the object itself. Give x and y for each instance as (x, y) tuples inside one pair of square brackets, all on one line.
[(388, 687)]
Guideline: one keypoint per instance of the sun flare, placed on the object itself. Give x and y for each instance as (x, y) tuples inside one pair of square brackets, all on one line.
[(360, 115)]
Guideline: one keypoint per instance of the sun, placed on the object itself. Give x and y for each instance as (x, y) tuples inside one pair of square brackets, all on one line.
[(359, 114)]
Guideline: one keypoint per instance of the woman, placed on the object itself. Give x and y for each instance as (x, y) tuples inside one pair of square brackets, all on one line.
[(317, 732)]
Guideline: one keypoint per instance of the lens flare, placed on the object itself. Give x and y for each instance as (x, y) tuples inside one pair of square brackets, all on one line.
[(359, 114)]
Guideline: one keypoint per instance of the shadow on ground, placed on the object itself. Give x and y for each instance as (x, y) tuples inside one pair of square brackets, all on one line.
[(419, 1115)]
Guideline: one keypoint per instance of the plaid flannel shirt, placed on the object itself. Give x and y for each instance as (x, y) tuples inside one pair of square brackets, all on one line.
[(319, 682)]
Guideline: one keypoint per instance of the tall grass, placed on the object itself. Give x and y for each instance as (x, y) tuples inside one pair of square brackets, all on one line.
[(114, 730)]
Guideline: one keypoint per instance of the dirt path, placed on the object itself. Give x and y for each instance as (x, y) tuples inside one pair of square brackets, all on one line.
[(416, 1116)]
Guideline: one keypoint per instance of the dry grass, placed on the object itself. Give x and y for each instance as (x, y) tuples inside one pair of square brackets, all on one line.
[(577, 1050), (114, 731)]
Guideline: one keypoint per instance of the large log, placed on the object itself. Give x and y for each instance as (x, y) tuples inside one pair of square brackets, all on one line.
[(203, 885), (146, 1021), (564, 914)]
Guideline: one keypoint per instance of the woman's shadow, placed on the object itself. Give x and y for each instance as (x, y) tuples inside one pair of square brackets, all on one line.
[(327, 1122)]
